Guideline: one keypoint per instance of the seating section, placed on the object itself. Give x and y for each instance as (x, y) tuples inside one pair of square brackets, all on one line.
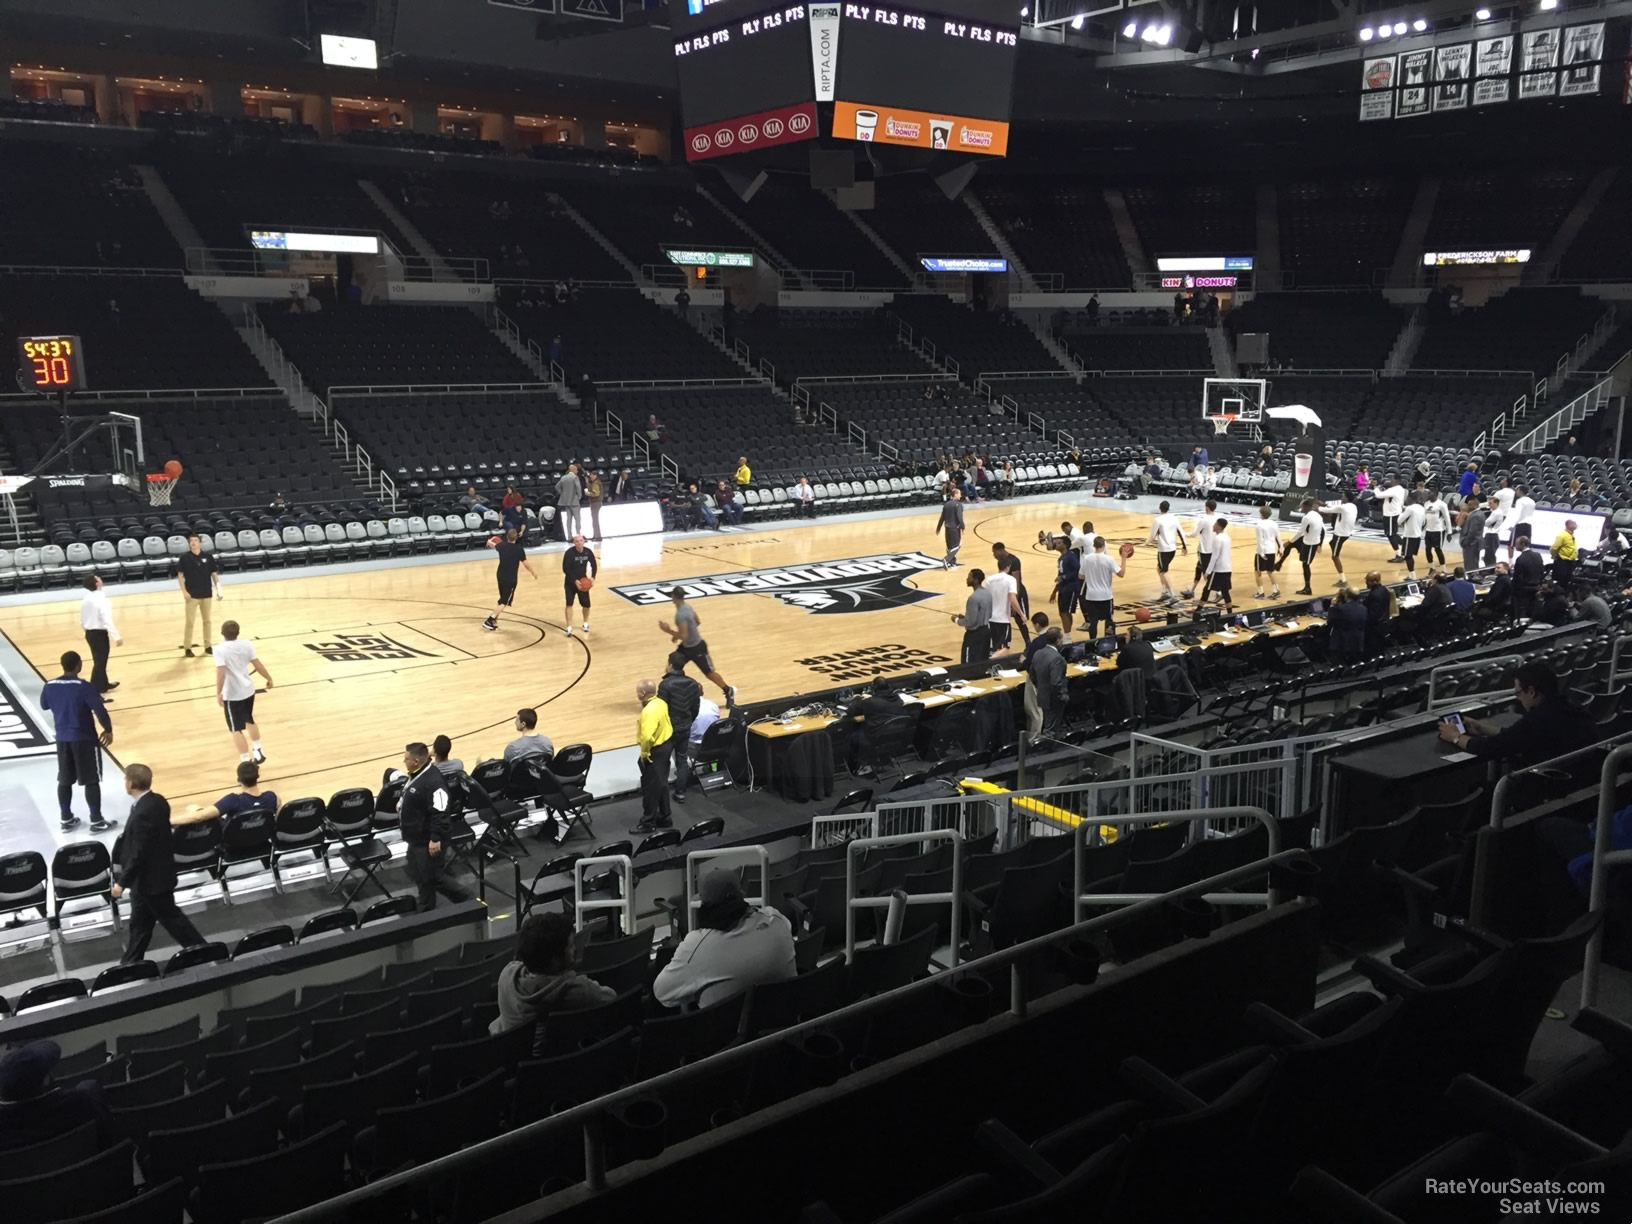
[(283, 188), (1341, 231), (1437, 409), (1076, 408), (94, 213), (826, 344), (129, 327), (393, 346), (45, 110), (517, 226), (440, 443), (1600, 251), (1141, 348), (619, 335), (641, 219), (1058, 226), (706, 430), (805, 228), (1204, 218), (979, 343), (913, 217), (1524, 329), (1339, 401), (924, 427), (1476, 212), (1322, 331)]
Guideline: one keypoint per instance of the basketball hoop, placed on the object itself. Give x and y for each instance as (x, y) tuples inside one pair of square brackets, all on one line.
[(1221, 425), (159, 487)]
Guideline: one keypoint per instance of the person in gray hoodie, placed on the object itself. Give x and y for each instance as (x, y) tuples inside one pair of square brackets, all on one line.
[(569, 498), (543, 979), (731, 947)]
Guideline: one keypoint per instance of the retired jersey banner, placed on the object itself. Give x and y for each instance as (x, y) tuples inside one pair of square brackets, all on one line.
[(1377, 88), (1583, 48), (1492, 65), (1451, 65), (1538, 77), (1414, 71)]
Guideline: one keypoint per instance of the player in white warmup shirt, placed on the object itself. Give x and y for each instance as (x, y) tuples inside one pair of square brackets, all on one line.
[(1505, 495), (1311, 528), (1436, 523), (1393, 502), (1204, 548), (1344, 517), (1167, 534), (1411, 520), (1266, 552), (1524, 513), (1220, 570)]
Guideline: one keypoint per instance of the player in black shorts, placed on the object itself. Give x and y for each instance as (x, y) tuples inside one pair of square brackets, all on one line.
[(578, 562), (512, 556)]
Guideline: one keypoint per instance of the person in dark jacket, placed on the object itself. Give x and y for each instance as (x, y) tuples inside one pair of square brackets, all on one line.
[(423, 814), (1497, 601), (76, 710), (1379, 607), (1048, 679), (1528, 571), (1435, 609), (1346, 628), (1550, 726), (544, 978), (684, 697), (578, 562), (1140, 654), (147, 867), (33, 1108), (878, 705)]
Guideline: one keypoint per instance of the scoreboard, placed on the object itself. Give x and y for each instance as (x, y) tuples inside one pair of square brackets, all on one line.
[(52, 363), (936, 75)]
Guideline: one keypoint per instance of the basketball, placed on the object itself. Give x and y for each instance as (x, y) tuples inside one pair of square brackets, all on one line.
[(172, 469), (493, 541), (1127, 551), (1142, 615), (585, 583)]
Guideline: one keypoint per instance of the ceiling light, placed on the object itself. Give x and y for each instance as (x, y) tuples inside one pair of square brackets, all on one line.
[(1148, 34), (1130, 30), (1025, 10), (1483, 14), (1076, 22), (1164, 35), (1399, 27), (1383, 31), (1365, 33), (1548, 6), (1419, 25)]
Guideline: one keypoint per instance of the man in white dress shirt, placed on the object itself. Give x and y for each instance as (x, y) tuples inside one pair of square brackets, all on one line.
[(1521, 516), (96, 619)]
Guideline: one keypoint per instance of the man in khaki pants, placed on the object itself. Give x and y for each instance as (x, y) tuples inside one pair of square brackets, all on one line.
[(198, 575)]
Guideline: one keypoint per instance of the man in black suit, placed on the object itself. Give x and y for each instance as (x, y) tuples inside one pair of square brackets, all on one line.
[(1528, 571), (147, 867), (877, 706)]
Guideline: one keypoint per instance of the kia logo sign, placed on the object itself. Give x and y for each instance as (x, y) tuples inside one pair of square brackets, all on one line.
[(700, 143), (748, 133), (772, 128), (799, 124), (724, 139)]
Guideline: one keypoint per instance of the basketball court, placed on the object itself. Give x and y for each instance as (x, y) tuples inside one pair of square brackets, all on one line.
[(367, 657)]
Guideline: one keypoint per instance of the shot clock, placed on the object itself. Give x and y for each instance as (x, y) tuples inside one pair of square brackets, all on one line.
[(52, 363)]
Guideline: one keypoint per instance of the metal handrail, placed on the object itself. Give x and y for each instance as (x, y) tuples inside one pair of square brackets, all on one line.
[(432, 388), (1449, 669), (1080, 900), (524, 1140), (1602, 860), (853, 902), (626, 903)]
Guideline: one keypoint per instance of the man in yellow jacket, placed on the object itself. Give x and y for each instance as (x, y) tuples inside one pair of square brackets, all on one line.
[(655, 735), (745, 474), (1564, 556)]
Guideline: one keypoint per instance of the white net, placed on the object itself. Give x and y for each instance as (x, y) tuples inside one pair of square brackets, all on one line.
[(158, 491), (1221, 424)]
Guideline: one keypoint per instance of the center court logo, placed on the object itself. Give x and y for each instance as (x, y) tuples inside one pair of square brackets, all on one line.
[(858, 584)]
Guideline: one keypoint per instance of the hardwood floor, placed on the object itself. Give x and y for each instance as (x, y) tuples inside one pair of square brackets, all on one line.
[(366, 661)]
